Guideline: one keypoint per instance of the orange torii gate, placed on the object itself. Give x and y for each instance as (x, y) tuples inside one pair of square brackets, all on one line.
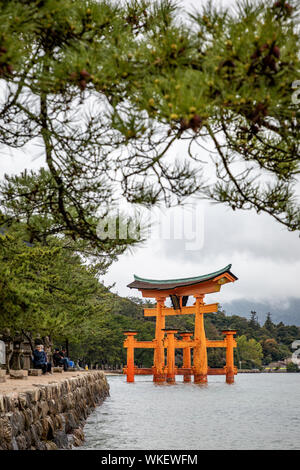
[(179, 290)]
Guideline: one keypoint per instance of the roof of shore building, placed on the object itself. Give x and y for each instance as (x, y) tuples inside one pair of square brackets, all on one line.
[(154, 284)]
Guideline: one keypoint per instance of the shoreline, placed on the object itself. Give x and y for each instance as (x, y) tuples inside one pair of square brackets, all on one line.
[(21, 385)]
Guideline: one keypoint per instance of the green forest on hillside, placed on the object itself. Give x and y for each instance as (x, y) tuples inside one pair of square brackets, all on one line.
[(258, 345)]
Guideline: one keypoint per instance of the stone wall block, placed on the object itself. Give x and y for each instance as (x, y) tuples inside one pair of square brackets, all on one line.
[(79, 394), (43, 409), (60, 388), (70, 422), (59, 406), (85, 412), (13, 444), (64, 387), (10, 402), (45, 428), (40, 445), (27, 435), (64, 402), (79, 409), (35, 412), (34, 434), (75, 384), (51, 427), (28, 415), (52, 406), (68, 386), (59, 423), (33, 395), (63, 421), (35, 372), (78, 437), (39, 429), (18, 374), (18, 422), (50, 445), (61, 440), (54, 390), (24, 401), (42, 390), (6, 428), (70, 401), (2, 404), (48, 390)]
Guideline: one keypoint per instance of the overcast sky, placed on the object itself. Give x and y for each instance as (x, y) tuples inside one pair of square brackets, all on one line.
[(264, 255)]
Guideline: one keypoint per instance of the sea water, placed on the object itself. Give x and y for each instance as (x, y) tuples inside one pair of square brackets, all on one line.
[(258, 411)]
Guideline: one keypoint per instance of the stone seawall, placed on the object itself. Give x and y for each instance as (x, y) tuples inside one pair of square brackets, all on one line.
[(50, 416)]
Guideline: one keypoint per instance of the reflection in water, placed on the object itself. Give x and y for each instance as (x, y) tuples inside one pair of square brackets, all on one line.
[(260, 411)]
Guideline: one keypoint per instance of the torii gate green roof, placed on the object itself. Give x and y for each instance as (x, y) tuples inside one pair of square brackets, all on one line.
[(142, 283)]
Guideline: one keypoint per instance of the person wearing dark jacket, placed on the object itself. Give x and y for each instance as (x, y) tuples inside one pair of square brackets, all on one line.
[(40, 360), (59, 359), (65, 360)]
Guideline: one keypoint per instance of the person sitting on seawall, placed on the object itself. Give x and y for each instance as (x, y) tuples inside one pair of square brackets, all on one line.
[(68, 361), (77, 365), (59, 359), (40, 360), (65, 359)]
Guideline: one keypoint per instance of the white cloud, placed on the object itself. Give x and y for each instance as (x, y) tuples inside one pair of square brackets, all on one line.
[(264, 256)]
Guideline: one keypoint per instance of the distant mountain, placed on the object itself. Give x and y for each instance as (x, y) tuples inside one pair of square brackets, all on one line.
[(289, 313)]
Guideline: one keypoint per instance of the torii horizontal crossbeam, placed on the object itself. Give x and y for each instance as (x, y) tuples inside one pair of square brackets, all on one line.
[(180, 344), (208, 308)]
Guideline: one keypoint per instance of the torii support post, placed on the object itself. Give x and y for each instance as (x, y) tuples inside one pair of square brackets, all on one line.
[(170, 343), (129, 344), (230, 343), (200, 352), (186, 336), (159, 351)]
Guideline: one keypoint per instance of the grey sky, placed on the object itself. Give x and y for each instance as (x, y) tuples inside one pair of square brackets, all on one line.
[(264, 256)]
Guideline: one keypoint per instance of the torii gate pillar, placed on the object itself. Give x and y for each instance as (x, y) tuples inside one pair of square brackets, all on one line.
[(130, 354), (159, 351), (170, 343), (229, 355), (187, 364), (200, 351)]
